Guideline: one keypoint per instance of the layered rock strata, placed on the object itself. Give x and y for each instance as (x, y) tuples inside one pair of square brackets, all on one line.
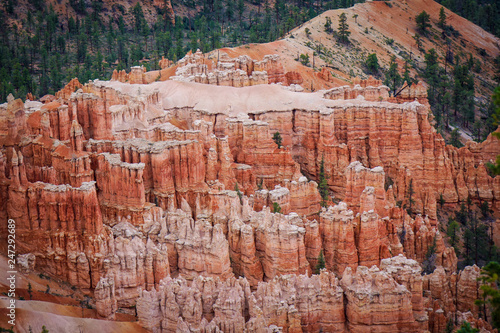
[(174, 197)]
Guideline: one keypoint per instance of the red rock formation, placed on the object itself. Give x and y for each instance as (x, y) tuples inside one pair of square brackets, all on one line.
[(29, 96), (120, 76), (293, 78), (271, 64), (303, 304), (412, 92), (121, 188), (376, 300), (325, 74), (68, 89), (378, 93), (167, 6), (243, 252), (468, 290), (440, 289), (164, 63), (90, 111), (304, 196), (362, 182), (407, 272), (251, 144), (370, 82), (337, 232), (204, 304), (238, 72), (136, 75), (279, 243), (12, 121), (105, 299), (117, 186), (196, 247)]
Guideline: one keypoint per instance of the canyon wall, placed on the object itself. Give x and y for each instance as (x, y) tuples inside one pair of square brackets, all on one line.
[(173, 197)]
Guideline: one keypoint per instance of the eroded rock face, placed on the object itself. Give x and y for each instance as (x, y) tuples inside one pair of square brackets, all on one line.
[(297, 303), (221, 70), (105, 299), (167, 196), (375, 299), (206, 303)]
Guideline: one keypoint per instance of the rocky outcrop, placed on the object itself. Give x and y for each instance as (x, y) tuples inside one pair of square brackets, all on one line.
[(105, 300), (68, 89), (454, 294), (121, 76), (206, 304), (369, 93), (337, 232), (376, 300), (268, 245), (164, 63), (412, 92), (166, 5), (239, 72), (121, 188), (325, 74), (367, 298), (303, 304), (293, 78), (199, 247)]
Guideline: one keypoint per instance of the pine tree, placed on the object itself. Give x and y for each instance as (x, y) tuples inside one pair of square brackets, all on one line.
[(138, 17), (423, 22), (490, 276), (463, 93), (278, 139), (328, 25), (321, 263), (371, 64), (304, 59), (495, 117), (406, 74), (323, 185), (276, 207), (260, 184), (429, 264), (343, 30), (442, 18), (418, 42), (466, 328), (455, 139), (392, 77), (241, 9), (238, 192)]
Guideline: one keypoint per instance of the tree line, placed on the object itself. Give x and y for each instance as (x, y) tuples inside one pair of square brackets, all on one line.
[(45, 50)]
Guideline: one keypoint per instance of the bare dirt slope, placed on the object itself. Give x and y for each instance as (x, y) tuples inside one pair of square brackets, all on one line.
[(371, 30)]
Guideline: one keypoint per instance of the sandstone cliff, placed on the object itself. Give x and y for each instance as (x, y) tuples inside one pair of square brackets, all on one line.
[(174, 197)]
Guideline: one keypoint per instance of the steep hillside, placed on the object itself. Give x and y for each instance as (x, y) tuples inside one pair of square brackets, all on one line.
[(378, 22)]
